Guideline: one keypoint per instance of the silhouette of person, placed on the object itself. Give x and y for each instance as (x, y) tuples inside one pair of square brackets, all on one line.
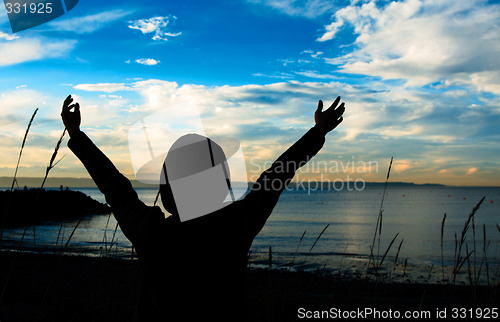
[(194, 269)]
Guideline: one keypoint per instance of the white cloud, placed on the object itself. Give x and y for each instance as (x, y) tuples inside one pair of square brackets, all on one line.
[(332, 29), (5, 36), (147, 61), (102, 87), (423, 41), (156, 25), (30, 49), (90, 23)]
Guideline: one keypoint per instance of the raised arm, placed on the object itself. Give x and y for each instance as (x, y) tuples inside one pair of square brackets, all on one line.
[(271, 183), (125, 204)]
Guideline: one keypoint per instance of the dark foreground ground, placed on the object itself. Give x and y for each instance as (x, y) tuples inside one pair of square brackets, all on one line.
[(64, 288)]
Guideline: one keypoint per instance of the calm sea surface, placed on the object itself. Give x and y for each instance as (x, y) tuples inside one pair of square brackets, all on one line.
[(416, 213)]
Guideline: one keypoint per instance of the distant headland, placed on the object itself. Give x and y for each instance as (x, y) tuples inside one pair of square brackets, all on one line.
[(89, 183)]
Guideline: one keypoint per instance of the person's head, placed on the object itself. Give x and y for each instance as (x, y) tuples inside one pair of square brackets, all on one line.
[(194, 177)]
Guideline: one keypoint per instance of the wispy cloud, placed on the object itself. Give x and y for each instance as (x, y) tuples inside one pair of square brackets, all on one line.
[(275, 75), (102, 87), (286, 61), (158, 25), (147, 61), (308, 8), (90, 23), (315, 74), (30, 49)]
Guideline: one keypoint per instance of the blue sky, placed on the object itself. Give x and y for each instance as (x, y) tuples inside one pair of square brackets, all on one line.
[(420, 79)]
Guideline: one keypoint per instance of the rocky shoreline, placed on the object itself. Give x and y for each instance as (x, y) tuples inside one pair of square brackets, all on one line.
[(32, 206)]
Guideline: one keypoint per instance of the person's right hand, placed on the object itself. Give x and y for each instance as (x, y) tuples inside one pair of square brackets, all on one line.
[(70, 119), (329, 119)]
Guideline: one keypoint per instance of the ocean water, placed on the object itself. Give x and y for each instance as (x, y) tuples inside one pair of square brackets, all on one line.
[(415, 213)]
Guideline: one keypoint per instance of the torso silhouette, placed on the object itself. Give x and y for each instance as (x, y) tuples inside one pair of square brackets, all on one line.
[(197, 268)]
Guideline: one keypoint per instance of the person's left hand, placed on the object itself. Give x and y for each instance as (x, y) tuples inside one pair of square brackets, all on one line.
[(70, 119)]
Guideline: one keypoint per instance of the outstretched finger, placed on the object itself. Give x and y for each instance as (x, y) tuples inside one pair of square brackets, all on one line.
[(334, 104), (320, 106), (341, 109), (67, 101), (336, 111)]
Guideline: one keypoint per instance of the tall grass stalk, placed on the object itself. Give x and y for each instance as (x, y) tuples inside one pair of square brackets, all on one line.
[(442, 236), (105, 238), (378, 227), (51, 165), (58, 235), (14, 179), (397, 255), (474, 248), (108, 253), (459, 260), (484, 255)]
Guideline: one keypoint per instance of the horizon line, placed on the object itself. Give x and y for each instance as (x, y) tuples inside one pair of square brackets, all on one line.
[(55, 182)]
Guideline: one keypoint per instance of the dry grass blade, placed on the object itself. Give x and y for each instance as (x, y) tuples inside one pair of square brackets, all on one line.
[(378, 227), (296, 250), (270, 264), (22, 146), (314, 245), (442, 236), (387, 250), (14, 179), (71, 235), (105, 238), (156, 199), (377, 267), (108, 253), (458, 259), (397, 255), (58, 235), (49, 167), (484, 255)]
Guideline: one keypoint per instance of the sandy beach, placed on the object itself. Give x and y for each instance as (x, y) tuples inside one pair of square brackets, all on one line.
[(45, 287)]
